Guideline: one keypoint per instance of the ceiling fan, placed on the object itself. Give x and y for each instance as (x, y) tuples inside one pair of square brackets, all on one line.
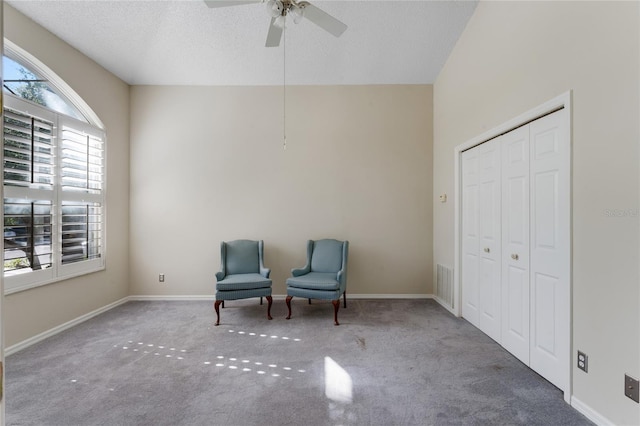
[(280, 9)]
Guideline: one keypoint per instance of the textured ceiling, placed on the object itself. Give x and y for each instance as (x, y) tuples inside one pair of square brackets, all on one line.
[(183, 42)]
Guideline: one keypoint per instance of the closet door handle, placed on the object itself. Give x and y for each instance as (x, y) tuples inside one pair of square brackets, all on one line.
[(515, 256), (487, 249)]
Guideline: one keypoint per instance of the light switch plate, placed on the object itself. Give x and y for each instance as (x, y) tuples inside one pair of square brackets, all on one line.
[(631, 388)]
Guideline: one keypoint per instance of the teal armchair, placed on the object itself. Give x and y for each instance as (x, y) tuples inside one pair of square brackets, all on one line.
[(242, 274), (323, 277)]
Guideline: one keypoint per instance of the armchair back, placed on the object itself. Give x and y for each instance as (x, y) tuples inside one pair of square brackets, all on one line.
[(327, 256), (241, 257)]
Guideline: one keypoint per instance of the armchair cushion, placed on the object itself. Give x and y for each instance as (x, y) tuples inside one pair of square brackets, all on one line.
[(243, 282), (242, 257), (327, 256), (315, 281)]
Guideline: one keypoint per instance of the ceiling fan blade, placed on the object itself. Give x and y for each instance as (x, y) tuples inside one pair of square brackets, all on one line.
[(323, 19), (274, 35), (225, 3)]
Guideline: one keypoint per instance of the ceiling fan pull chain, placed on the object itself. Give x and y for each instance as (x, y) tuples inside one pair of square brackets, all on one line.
[(284, 87)]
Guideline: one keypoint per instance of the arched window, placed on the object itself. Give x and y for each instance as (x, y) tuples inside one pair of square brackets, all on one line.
[(21, 81), (54, 176)]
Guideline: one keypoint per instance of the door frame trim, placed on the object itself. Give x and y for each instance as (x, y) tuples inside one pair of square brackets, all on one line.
[(563, 101)]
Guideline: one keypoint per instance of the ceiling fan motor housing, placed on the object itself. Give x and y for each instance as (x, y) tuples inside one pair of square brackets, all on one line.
[(279, 9), (283, 7)]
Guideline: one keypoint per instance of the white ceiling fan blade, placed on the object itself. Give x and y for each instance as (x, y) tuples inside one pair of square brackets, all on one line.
[(274, 35), (225, 3), (323, 19)]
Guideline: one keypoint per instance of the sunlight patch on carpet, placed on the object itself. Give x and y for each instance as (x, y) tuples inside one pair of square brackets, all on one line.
[(337, 382)]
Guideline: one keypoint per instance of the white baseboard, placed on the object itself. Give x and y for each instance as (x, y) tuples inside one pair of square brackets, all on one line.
[(590, 413), (55, 330), (149, 298), (389, 296), (279, 297)]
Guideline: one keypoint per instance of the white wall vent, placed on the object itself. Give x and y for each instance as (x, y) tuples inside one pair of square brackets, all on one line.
[(444, 285)]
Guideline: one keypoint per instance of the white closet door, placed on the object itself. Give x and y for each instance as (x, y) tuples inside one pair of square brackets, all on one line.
[(481, 237), (515, 243), (470, 236), (489, 270), (549, 245)]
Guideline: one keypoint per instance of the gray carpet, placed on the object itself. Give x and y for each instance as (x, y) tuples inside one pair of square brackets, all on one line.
[(391, 362)]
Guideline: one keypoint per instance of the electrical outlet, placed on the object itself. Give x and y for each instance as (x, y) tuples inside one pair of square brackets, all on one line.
[(631, 388), (161, 278), (583, 362)]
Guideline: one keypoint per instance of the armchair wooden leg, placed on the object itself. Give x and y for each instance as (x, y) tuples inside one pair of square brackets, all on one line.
[(261, 300), (288, 300), (309, 301), (217, 308), (269, 302), (336, 306), (345, 299)]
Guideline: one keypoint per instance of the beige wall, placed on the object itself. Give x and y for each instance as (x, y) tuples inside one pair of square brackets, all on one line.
[(207, 165), (512, 57), (34, 311)]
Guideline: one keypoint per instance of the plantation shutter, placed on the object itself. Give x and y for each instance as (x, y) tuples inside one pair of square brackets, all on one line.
[(29, 144), (81, 182), (27, 235), (82, 167), (28, 150)]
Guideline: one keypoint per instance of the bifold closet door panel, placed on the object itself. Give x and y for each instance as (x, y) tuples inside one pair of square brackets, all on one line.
[(481, 237), (470, 236), (550, 247), (515, 243), (489, 270)]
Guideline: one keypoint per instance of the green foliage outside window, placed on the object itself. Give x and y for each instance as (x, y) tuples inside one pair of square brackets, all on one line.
[(31, 88)]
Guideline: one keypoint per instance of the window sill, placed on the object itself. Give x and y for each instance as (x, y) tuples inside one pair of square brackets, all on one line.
[(19, 287)]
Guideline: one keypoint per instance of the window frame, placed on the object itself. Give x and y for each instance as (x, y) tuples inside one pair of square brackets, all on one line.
[(58, 271)]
